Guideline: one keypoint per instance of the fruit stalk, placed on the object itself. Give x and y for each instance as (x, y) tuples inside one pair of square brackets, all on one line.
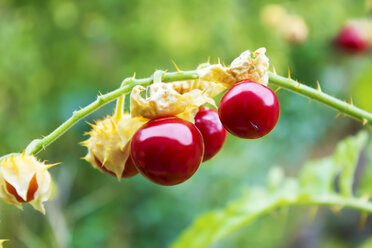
[(317, 95), (283, 82), (103, 100)]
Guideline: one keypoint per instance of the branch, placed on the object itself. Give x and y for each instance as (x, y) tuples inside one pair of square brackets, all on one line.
[(318, 95), (37, 145), (103, 100)]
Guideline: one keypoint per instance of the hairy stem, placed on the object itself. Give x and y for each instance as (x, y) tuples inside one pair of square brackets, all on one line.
[(104, 99), (274, 79), (318, 95)]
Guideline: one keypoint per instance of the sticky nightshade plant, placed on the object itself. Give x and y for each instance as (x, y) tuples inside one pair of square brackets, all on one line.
[(316, 185), (170, 95)]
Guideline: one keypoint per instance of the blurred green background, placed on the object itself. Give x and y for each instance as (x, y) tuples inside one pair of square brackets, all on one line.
[(56, 55)]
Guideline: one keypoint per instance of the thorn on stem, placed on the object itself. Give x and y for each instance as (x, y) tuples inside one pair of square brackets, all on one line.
[(351, 100), (277, 89), (337, 115), (218, 60), (274, 70), (365, 122), (175, 65), (134, 75), (209, 60), (318, 86), (289, 73)]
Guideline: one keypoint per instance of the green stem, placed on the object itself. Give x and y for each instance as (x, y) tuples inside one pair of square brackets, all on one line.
[(104, 99), (274, 79), (318, 95)]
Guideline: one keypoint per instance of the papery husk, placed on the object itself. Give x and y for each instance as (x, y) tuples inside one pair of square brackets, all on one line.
[(167, 99), (109, 142), (248, 66), (18, 171)]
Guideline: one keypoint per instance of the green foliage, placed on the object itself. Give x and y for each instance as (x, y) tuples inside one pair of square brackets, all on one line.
[(315, 186), (56, 55)]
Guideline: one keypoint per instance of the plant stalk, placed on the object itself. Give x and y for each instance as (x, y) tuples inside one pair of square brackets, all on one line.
[(283, 82)]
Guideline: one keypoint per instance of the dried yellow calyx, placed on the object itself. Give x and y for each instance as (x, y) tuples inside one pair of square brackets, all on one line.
[(25, 179), (211, 89), (248, 66), (109, 143), (165, 100)]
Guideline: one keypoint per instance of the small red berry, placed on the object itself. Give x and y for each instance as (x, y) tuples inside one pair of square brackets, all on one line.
[(212, 130), (249, 110), (351, 39), (167, 151), (32, 187)]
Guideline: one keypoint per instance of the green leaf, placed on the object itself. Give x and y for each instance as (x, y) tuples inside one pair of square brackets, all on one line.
[(345, 159), (314, 187)]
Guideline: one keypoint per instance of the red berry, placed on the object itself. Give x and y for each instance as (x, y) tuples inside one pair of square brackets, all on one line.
[(32, 187), (129, 171), (249, 110), (167, 151), (352, 40), (212, 130)]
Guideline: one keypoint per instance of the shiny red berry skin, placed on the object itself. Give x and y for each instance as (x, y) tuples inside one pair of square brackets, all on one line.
[(350, 39), (212, 130), (167, 151), (249, 110)]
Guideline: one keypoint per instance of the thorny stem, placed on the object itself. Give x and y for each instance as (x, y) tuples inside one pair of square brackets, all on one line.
[(104, 99), (129, 83), (318, 95)]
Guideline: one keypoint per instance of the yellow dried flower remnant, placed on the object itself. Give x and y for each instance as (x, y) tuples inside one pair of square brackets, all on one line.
[(291, 27), (165, 100), (248, 66), (212, 89), (109, 144), (25, 179)]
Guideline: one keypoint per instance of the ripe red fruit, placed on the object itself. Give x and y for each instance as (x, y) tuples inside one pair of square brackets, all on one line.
[(249, 110), (212, 130), (167, 151), (129, 171), (351, 39), (32, 187)]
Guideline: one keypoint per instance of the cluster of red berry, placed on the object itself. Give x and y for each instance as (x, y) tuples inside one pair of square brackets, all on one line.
[(169, 150)]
